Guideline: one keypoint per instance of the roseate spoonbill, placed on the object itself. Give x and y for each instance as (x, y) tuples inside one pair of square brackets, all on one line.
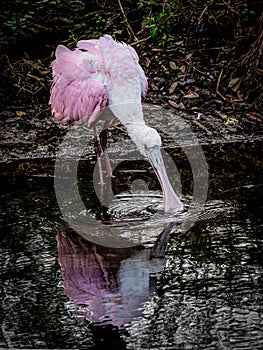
[(99, 73)]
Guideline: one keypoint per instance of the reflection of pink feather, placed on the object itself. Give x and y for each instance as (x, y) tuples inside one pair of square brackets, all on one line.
[(86, 276), (84, 79), (85, 273), (105, 285)]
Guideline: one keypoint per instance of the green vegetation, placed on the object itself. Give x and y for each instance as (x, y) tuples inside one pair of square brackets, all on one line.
[(162, 32), (71, 19)]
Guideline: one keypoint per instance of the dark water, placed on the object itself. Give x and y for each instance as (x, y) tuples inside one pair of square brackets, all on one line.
[(60, 291)]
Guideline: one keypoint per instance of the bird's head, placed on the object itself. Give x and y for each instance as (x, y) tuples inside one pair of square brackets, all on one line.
[(146, 138), (148, 141)]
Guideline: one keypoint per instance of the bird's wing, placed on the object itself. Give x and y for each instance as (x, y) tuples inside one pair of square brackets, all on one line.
[(78, 93), (113, 51)]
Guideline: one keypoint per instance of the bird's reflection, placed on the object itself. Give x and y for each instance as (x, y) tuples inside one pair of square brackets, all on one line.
[(107, 285)]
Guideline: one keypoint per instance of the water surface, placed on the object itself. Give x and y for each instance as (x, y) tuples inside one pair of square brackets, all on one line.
[(60, 291)]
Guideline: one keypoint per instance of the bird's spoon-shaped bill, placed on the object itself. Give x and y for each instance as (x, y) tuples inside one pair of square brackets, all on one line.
[(172, 203)]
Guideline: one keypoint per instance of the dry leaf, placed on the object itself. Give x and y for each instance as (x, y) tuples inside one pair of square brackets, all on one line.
[(173, 65), (191, 94), (173, 87), (234, 84), (13, 154), (173, 104), (259, 71), (183, 69), (221, 114), (255, 117), (44, 72), (147, 63), (154, 87), (189, 55), (240, 96), (12, 120)]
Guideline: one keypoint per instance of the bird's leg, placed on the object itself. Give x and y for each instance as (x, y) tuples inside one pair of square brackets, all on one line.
[(100, 146), (97, 148), (103, 142), (107, 180)]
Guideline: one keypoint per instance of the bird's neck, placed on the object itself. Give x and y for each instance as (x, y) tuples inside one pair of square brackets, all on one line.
[(129, 113), (133, 130)]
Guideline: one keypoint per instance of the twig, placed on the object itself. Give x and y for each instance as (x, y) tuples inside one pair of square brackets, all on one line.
[(199, 71), (202, 127), (200, 18), (170, 16), (30, 91), (218, 83), (126, 20), (230, 8), (9, 63), (119, 128), (140, 41)]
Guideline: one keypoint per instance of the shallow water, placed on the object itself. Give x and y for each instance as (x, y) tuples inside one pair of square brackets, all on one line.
[(60, 291)]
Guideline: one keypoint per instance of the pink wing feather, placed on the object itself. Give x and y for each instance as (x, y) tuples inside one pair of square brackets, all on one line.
[(76, 93)]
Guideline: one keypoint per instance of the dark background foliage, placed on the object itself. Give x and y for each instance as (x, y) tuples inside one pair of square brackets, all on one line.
[(201, 41)]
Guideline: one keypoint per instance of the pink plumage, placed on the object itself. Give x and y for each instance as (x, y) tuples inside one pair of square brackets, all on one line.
[(99, 73), (84, 79)]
